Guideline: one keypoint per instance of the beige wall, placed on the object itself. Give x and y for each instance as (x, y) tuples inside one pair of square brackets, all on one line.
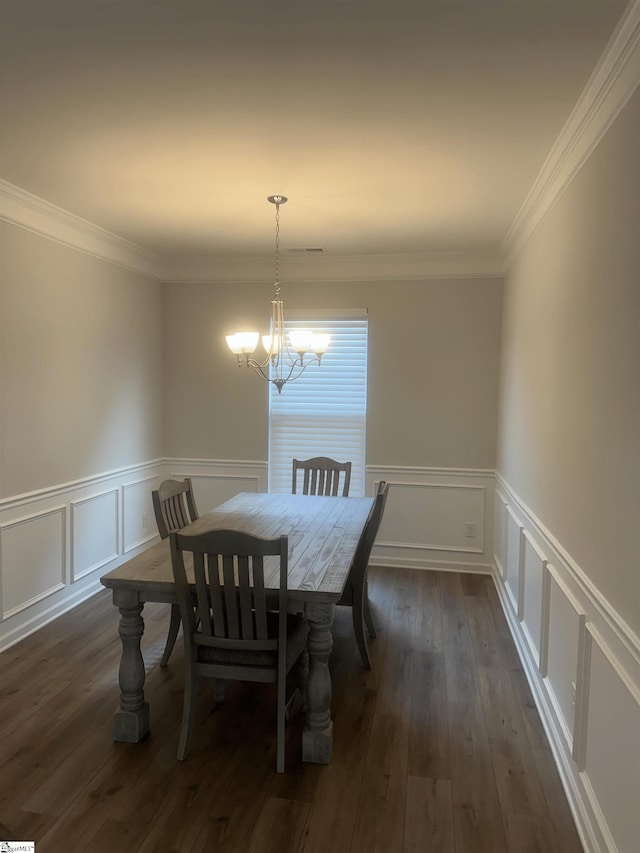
[(82, 380), (569, 421), (80, 364), (433, 369)]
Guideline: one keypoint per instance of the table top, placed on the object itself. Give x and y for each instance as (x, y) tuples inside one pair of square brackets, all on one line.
[(323, 536)]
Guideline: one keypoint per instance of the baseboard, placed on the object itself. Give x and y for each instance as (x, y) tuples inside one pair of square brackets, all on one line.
[(424, 563)]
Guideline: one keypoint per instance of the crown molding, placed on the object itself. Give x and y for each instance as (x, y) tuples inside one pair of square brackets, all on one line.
[(35, 214), (613, 81), (310, 269)]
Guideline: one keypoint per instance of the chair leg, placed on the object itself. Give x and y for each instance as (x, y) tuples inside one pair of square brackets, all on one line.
[(358, 629), (303, 671), (220, 688), (368, 618), (174, 627), (188, 711), (296, 701), (282, 687)]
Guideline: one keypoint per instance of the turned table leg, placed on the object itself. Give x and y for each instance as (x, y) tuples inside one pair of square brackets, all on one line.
[(317, 737), (131, 720)]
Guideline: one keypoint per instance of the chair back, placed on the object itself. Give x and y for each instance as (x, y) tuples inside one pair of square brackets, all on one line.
[(371, 528), (231, 605), (321, 476), (174, 506)]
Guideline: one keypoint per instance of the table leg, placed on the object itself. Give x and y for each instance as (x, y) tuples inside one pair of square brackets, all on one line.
[(317, 737), (131, 720)]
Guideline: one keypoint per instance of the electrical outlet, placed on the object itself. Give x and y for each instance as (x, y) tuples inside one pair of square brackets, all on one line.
[(573, 693), (470, 530), (145, 519)]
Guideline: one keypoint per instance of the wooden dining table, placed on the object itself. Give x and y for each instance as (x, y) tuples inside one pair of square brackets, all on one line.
[(323, 536)]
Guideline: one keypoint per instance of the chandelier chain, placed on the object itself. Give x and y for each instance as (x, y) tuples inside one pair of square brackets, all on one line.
[(277, 283)]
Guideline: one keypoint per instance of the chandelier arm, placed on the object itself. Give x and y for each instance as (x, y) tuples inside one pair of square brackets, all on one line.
[(297, 368), (301, 366), (260, 366), (259, 369)]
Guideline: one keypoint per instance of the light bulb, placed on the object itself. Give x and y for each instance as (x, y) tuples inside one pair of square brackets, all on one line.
[(320, 342), (300, 340), (241, 343)]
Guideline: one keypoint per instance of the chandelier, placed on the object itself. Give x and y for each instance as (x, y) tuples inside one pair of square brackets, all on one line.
[(288, 354)]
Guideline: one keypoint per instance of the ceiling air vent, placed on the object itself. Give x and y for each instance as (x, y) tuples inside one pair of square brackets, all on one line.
[(313, 249)]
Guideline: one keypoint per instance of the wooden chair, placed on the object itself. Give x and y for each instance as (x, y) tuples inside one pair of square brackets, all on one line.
[(238, 636), (174, 507), (321, 476), (355, 594)]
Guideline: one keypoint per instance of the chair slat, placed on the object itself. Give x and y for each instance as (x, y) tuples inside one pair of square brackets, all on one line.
[(177, 512), (260, 601), (321, 476), (171, 511), (245, 598), (171, 514), (230, 596), (201, 590), (217, 607)]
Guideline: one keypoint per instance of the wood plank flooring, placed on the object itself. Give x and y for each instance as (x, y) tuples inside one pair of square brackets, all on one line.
[(438, 748)]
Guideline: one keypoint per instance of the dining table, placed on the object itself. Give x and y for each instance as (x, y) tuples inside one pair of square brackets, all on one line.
[(323, 534)]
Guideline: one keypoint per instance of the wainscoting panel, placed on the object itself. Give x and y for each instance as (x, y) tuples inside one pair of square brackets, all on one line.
[(435, 510), (137, 512), (500, 533), (215, 481), (582, 662), (94, 532), (612, 754), (435, 518), (36, 546), (565, 625), (513, 565), (55, 543), (533, 569)]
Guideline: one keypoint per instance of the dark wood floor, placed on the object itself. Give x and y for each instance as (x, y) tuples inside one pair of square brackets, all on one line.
[(438, 748)]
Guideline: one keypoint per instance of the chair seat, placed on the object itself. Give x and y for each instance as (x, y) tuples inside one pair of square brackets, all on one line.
[(297, 631)]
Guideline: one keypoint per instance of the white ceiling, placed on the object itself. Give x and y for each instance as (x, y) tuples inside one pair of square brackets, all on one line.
[(393, 127)]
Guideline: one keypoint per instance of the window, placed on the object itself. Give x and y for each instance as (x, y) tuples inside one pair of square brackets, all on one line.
[(323, 413)]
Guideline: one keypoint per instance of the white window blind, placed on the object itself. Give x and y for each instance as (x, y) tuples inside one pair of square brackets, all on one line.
[(323, 413)]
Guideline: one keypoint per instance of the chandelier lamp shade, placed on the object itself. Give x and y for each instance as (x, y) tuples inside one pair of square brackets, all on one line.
[(287, 354)]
